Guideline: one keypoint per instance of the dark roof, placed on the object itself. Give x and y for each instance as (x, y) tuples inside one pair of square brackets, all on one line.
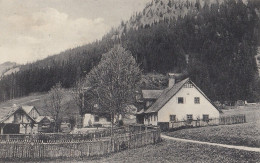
[(151, 94), (169, 93), (166, 96), (40, 118), (140, 112)]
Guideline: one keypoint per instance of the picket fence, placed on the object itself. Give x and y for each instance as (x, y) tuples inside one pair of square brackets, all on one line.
[(62, 137), (41, 150), (224, 120)]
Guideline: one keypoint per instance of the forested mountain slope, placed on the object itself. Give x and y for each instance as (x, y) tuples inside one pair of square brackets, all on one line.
[(4, 67), (213, 42)]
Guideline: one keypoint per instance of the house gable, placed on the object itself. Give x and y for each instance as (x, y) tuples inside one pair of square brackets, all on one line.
[(187, 105), (34, 113), (18, 116)]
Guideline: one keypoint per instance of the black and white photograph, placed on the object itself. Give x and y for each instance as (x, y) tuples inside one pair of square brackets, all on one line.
[(130, 81)]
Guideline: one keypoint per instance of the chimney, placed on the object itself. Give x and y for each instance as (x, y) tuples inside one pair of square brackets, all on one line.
[(171, 80)]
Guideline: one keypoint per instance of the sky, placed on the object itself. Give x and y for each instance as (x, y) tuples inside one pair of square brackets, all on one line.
[(34, 29)]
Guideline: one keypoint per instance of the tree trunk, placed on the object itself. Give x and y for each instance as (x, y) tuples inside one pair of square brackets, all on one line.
[(81, 111), (55, 124), (112, 132), (82, 120), (112, 125)]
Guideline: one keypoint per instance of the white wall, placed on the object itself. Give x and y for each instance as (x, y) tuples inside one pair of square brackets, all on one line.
[(151, 119), (29, 129), (91, 117), (181, 110)]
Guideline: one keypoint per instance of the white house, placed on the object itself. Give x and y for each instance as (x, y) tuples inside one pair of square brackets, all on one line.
[(180, 101), (91, 119), (104, 120)]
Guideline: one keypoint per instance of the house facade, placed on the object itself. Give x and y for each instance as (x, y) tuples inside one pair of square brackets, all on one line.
[(104, 120), (14, 120), (91, 120), (179, 102), (23, 120)]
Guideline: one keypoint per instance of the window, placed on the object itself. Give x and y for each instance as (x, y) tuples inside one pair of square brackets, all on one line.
[(189, 117), (96, 119), (154, 117), (188, 85), (180, 100), (196, 100), (173, 118), (205, 117)]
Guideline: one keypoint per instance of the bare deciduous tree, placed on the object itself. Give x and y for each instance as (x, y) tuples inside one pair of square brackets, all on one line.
[(54, 106), (82, 97), (114, 82)]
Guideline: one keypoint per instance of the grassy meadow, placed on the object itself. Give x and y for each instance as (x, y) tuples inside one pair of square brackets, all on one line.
[(252, 112), (247, 134), (174, 151), (41, 101)]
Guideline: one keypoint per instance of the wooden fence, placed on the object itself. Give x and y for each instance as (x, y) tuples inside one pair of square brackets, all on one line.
[(40, 150), (61, 137), (224, 120), (233, 119)]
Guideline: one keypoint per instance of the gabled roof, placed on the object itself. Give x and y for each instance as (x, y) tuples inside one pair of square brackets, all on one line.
[(166, 96), (6, 112), (40, 118), (27, 108), (151, 94), (169, 93), (206, 97)]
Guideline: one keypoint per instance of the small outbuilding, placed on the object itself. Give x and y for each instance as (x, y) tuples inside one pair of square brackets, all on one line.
[(45, 124)]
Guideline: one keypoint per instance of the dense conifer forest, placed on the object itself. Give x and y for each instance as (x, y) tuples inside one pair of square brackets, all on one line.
[(215, 45)]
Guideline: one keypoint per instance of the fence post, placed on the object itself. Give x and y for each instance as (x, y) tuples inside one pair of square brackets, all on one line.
[(112, 145)]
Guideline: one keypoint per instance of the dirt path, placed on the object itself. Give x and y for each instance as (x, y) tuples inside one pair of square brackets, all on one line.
[(252, 149)]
